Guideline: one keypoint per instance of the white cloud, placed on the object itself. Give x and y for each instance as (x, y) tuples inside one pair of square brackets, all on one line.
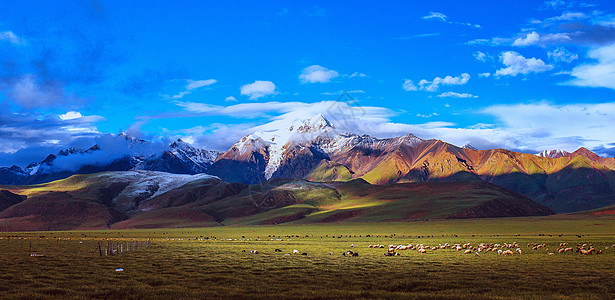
[(11, 38), (432, 86), (258, 89), (180, 95), (199, 107), (530, 39), (480, 56), (435, 15), (316, 73), (340, 92), (568, 16), (517, 64), (554, 38), (548, 126), (230, 98), (408, 85), (421, 35), (496, 41), (193, 84), (70, 115), (599, 74), (456, 95), (484, 75), (358, 74), (428, 116), (561, 54), (555, 4), (443, 18), (534, 38)]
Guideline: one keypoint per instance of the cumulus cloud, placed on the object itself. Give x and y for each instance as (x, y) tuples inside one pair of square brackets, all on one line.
[(316, 73), (70, 115), (529, 39), (258, 89), (534, 38), (480, 56), (408, 85), (561, 54), (456, 95), (598, 74), (432, 86), (484, 75), (230, 98), (10, 37), (517, 64)]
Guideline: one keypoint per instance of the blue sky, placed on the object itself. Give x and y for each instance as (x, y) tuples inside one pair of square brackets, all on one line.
[(523, 75)]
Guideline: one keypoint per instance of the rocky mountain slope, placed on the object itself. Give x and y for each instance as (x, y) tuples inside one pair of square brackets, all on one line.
[(147, 199)]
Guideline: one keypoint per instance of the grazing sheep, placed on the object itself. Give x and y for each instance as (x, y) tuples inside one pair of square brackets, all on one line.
[(296, 251), (467, 251), (277, 250), (303, 253)]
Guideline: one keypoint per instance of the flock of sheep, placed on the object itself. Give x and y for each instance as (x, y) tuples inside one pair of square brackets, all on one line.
[(504, 249)]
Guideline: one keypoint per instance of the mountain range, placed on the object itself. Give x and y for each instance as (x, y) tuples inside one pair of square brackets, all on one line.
[(178, 157), (315, 150)]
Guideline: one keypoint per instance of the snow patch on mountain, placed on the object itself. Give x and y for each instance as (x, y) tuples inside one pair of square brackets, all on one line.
[(557, 153), (150, 183)]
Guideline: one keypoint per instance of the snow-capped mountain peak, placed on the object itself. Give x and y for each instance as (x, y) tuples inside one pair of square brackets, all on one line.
[(186, 152), (316, 123), (468, 146)]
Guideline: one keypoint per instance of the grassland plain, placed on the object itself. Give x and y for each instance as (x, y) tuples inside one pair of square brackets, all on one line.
[(210, 262)]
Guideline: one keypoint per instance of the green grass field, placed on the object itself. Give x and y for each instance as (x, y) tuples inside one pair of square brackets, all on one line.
[(210, 262)]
